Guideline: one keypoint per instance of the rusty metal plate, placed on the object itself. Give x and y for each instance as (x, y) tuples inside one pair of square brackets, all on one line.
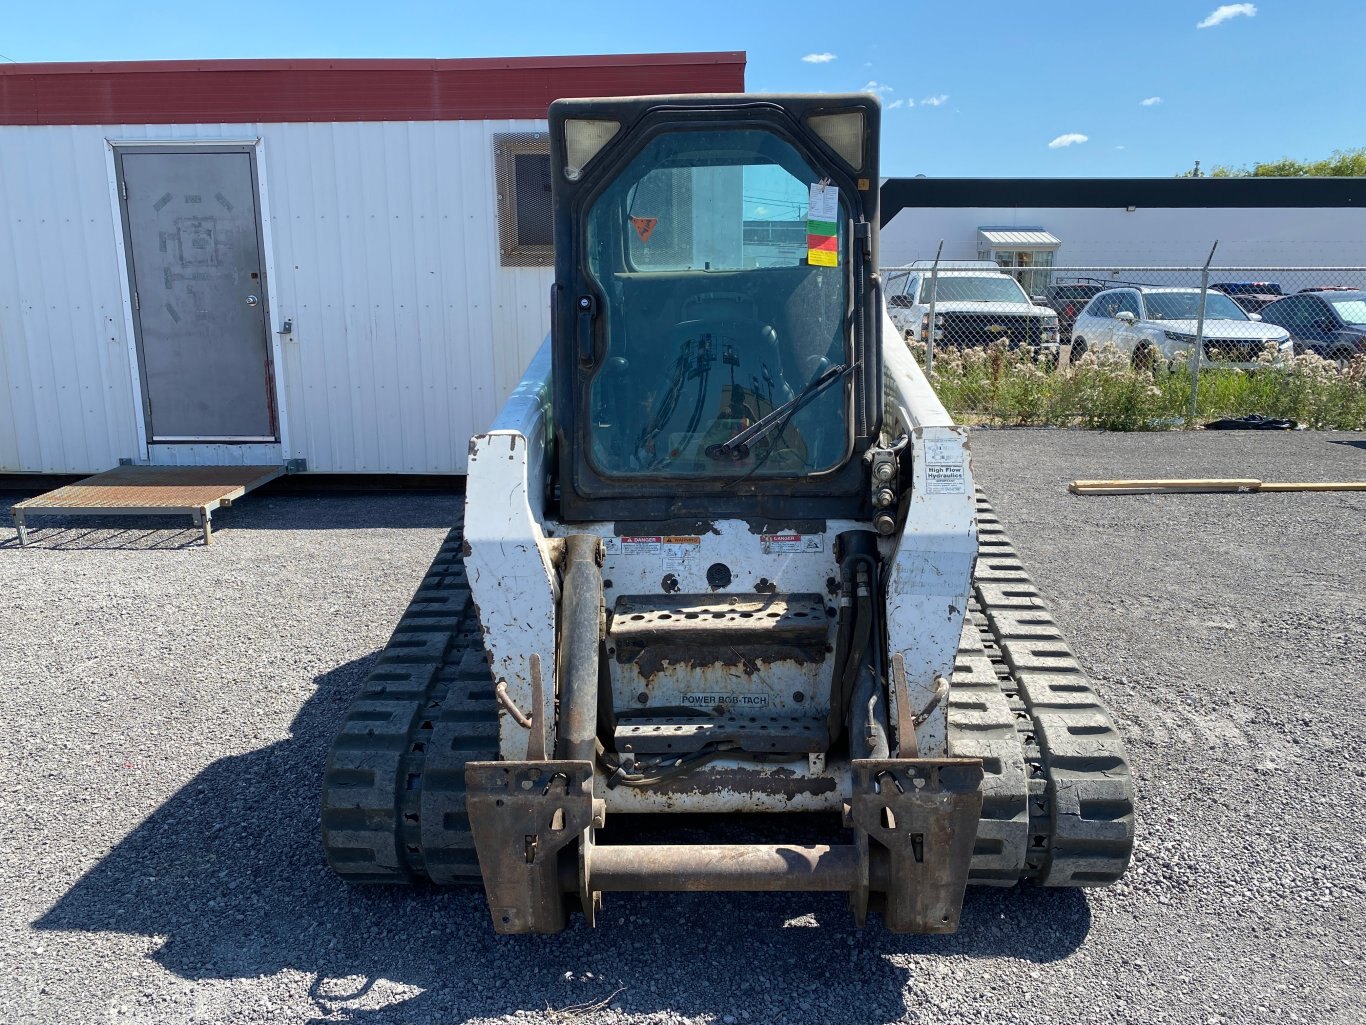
[(664, 734), (172, 488), (522, 815), (919, 816)]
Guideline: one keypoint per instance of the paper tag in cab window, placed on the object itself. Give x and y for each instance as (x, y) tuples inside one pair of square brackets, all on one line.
[(822, 227)]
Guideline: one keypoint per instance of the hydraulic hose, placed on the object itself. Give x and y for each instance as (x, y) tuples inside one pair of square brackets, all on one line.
[(859, 638), (842, 685), (843, 638), (868, 717)]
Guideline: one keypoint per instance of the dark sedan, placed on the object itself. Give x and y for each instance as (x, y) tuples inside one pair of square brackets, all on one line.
[(1328, 324)]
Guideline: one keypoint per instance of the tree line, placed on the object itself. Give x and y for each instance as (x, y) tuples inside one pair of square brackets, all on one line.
[(1344, 163)]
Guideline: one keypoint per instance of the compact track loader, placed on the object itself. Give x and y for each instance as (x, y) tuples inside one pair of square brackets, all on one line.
[(722, 553)]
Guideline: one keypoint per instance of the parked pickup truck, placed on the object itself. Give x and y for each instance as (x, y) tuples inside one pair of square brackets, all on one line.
[(975, 304)]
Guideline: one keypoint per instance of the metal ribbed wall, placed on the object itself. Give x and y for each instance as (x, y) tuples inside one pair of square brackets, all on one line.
[(407, 333), (68, 400)]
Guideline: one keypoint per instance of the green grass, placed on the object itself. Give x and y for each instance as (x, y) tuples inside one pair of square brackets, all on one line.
[(1104, 391)]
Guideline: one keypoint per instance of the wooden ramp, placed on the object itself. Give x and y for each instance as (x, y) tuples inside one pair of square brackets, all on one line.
[(148, 491)]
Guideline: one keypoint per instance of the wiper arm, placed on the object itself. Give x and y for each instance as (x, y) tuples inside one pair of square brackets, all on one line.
[(780, 414)]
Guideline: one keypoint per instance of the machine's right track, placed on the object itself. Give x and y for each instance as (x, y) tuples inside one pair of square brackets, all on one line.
[(1058, 807)]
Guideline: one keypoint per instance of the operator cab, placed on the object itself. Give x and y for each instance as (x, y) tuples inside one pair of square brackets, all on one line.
[(716, 316)]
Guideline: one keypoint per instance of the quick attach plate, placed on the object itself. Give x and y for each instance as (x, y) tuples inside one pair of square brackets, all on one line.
[(917, 819), (522, 815)]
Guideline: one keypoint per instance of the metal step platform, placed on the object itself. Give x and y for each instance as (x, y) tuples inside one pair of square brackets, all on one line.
[(194, 491)]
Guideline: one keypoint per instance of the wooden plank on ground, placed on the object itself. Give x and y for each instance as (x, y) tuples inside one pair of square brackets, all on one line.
[(1340, 485), (1161, 486), (1198, 486)]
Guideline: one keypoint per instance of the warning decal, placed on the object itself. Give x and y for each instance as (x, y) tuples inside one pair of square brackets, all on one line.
[(680, 547), (944, 467), (633, 545), (777, 544), (644, 226), (677, 553), (944, 478)]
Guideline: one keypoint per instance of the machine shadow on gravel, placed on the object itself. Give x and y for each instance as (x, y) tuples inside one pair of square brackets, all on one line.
[(230, 872)]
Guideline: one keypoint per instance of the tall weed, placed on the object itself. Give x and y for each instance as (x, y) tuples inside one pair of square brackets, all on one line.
[(1103, 390)]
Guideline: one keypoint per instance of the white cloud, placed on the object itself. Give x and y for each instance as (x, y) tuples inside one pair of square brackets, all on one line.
[(896, 103), (819, 58), (877, 87), (1151, 101), (1120, 146), (935, 101), (1067, 140), (1223, 12)]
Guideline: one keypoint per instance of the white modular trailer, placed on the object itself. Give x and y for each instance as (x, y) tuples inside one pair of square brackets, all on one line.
[(404, 337), (351, 281)]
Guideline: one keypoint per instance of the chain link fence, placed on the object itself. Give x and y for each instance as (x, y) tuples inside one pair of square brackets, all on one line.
[(1137, 347)]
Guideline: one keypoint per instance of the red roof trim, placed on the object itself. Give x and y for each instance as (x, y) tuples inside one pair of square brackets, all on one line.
[(219, 91)]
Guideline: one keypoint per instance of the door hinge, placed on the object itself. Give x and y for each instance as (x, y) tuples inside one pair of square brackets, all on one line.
[(123, 190), (863, 231), (137, 303)]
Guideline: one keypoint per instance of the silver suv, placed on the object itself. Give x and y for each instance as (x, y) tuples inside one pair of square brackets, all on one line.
[(1146, 321)]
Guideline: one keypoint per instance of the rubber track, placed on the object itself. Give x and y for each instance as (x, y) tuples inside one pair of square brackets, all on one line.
[(393, 800), (1059, 798)]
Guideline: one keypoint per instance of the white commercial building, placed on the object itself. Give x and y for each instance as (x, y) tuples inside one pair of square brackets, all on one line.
[(1114, 222)]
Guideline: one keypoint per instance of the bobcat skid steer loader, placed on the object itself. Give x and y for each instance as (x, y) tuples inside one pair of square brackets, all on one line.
[(722, 553)]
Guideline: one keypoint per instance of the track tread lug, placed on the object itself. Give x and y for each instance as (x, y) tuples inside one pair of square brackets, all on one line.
[(1073, 798), (393, 801)]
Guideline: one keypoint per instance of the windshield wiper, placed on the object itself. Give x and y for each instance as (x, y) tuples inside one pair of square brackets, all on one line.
[(738, 445)]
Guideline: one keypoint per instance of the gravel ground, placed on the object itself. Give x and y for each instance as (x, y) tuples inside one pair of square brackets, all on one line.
[(167, 710)]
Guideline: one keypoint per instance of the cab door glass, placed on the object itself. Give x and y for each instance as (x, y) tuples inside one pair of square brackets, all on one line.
[(714, 315)]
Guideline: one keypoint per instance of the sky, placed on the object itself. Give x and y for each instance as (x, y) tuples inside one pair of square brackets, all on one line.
[(990, 88)]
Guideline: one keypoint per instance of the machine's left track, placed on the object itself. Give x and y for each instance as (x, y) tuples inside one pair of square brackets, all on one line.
[(393, 799)]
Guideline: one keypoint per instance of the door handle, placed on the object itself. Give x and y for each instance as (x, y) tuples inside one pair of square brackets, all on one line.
[(252, 300), (588, 311)]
